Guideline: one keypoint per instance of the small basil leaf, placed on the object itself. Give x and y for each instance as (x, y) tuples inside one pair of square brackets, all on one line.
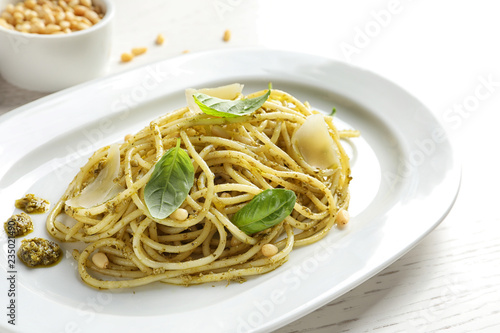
[(228, 108), (170, 183), (265, 210), (334, 111)]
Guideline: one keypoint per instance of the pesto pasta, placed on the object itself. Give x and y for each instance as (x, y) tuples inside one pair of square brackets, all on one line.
[(232, 161)]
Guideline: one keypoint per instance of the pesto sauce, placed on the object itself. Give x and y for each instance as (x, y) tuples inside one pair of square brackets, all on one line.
[(18, 225), (32, 204), (39, 252)]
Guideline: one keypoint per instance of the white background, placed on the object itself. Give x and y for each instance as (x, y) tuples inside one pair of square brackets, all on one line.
[(447, 54)]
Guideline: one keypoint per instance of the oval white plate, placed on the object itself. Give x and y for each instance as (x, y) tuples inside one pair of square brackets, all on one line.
[(405, 180)]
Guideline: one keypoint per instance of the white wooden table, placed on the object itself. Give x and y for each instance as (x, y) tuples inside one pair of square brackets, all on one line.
[(446, 53)]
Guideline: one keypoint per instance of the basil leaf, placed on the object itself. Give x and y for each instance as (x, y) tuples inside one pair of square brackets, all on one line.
[(334, 111), (170, 183), (265, 210), (228, 108)]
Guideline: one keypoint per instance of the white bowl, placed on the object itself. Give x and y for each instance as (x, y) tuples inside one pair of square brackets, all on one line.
[(49, 63)]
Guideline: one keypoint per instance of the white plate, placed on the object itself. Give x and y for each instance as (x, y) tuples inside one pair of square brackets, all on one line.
[(405, 181)]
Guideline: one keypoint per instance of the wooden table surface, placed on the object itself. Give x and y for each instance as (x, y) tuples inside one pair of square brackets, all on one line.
[(447, 54)]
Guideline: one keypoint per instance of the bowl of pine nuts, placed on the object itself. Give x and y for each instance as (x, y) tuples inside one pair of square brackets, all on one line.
[(49, 45)]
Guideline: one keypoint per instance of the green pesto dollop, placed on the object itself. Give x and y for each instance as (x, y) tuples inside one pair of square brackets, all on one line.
[(18, 225), (39, 252), (32, 204)]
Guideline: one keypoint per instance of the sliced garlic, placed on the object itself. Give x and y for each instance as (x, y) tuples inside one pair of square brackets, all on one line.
[(230, 91), (103, 187), (315, 144)]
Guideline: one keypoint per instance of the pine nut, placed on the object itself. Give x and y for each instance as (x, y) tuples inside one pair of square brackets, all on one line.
[(19, 8), (60, 16), (39, 11), (191, 132), (227, 35), (18, 16), (269, 250), (159, 39), (7, 16), (64, 25), (342, 218), (9, 8), (139, 50), (26, 27), (49, 18), (126, 57), (100, 260), (63, 4), (30, 4), (24, 15), (180, 214), (86, 3), (4, 24), (37, 26), (82, 26), (70, 16), (81, 19), (51, 28), (92, 16), (80, 10), (30, 15)]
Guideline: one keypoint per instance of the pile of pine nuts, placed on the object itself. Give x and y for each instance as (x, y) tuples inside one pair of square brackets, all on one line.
[(50, 16)]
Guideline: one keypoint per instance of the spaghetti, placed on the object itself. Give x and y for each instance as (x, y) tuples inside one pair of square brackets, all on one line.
[(234, 159)]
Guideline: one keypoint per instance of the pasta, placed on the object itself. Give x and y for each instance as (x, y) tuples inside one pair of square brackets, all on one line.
[(234, 159)]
